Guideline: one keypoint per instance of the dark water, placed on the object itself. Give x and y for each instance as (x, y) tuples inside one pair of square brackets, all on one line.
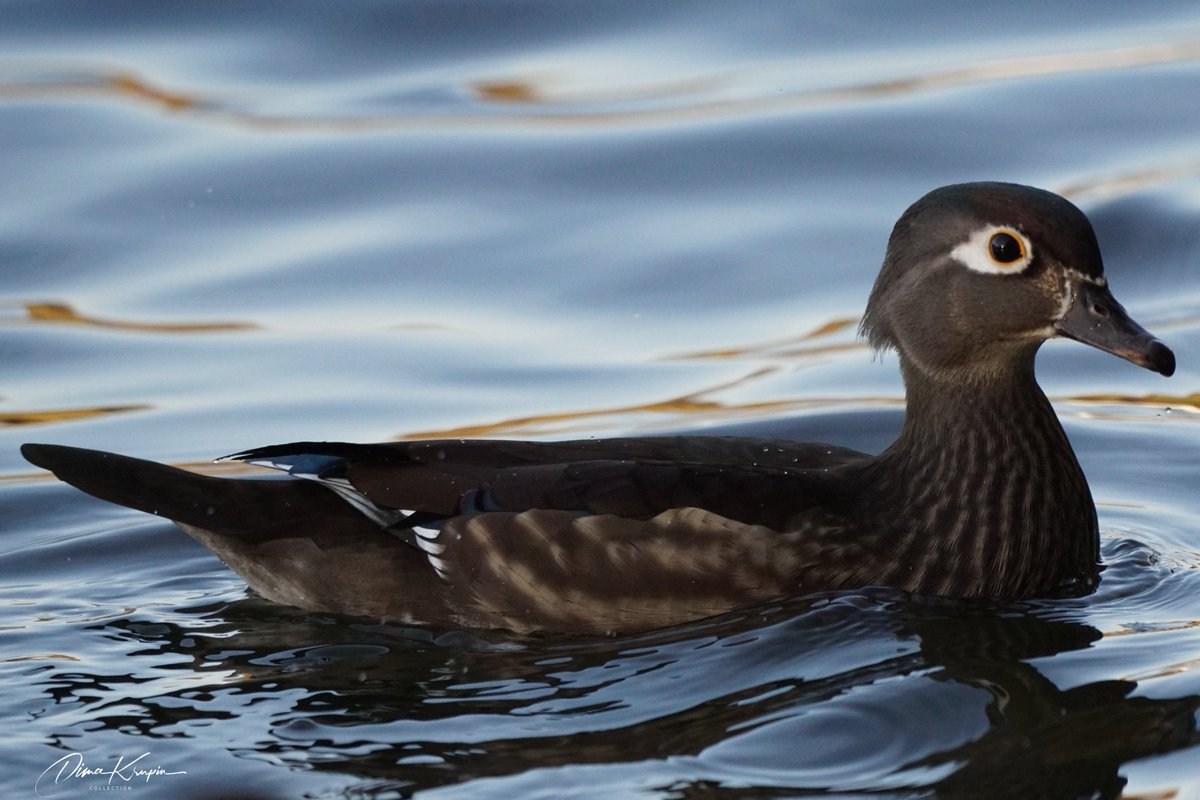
[(225, 225)]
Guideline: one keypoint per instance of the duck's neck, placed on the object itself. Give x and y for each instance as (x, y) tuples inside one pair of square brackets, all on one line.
[(981, 496)]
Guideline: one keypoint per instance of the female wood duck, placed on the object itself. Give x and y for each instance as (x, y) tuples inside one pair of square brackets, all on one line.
[(980, 497)]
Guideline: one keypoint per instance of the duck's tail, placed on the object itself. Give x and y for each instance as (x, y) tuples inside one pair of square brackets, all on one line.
[(294, 542), (258, 508)]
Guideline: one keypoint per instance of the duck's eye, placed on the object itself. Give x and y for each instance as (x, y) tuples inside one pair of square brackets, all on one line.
[(995, 250), (1004, 248)]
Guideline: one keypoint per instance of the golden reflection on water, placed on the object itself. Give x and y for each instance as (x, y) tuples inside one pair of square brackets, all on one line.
[(1169, 403), (9, 419), (508, 91), (128, 84), (1112, 186), (690, 409), (1164, 670), (698, 408), (705, 406), (48, 657), (676, 101), (773, 346), (62, 313), (102, 83), (694, 408), (124, 85)]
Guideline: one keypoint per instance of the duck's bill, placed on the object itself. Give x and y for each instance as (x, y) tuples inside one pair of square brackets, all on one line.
[(1096, 318)]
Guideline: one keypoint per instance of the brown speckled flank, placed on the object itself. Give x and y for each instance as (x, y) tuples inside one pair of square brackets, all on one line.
[(980, 496)]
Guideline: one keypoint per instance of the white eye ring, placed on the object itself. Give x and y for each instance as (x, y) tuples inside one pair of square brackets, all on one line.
[(976, 252)]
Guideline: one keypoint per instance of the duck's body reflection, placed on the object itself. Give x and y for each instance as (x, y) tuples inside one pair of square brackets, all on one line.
[(952, 692)]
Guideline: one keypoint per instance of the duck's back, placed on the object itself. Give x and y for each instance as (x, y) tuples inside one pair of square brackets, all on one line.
[(630, 477)]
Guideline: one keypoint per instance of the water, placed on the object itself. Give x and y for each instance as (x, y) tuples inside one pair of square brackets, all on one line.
[(225, 225)]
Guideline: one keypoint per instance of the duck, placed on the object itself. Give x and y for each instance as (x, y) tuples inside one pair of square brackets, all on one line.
[(980, 497)]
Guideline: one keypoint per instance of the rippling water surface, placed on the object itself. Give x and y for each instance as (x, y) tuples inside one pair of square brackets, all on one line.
[(225, 225)]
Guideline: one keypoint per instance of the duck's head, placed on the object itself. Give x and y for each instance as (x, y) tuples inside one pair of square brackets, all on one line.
[(978, 275)]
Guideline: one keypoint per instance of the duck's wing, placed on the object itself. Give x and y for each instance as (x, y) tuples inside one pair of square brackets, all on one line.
[(754, 481), (591, 536)]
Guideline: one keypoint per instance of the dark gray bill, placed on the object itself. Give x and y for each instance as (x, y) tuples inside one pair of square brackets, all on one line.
[(1096, 318)]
